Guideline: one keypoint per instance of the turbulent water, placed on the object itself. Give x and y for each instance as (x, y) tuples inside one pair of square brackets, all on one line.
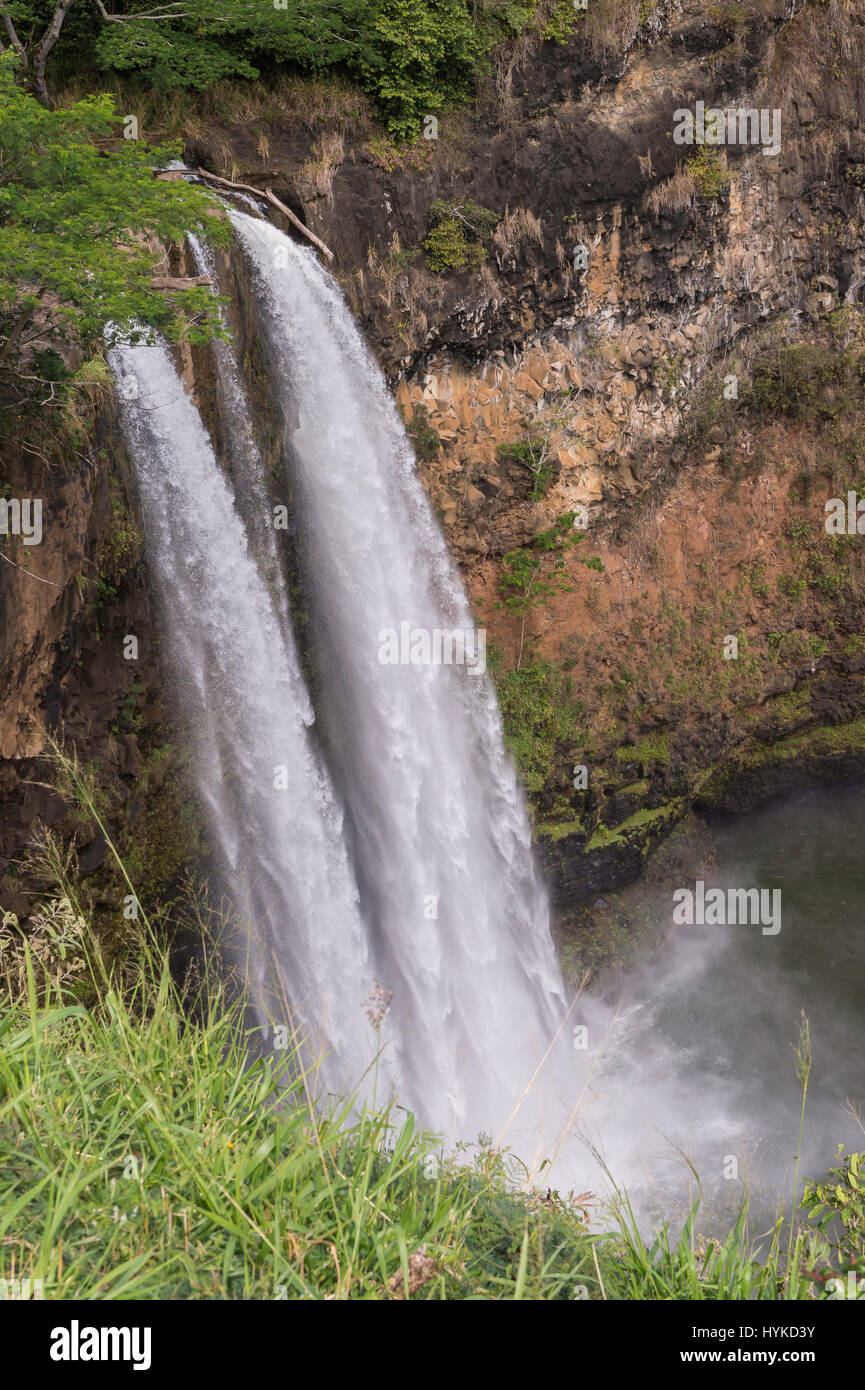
[(371, 829), (695, 1052)]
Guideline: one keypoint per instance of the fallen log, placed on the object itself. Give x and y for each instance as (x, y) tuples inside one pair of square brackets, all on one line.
[(268, 195)]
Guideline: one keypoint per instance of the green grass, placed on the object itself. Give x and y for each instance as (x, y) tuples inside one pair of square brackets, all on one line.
[(143, 1155), (146, 1152)]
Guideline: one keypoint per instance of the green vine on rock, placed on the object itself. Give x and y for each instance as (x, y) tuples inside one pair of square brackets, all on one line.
[(538, 570)]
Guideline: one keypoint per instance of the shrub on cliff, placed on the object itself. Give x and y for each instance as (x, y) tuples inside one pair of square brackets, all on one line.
[(459, 236), (808, 381)]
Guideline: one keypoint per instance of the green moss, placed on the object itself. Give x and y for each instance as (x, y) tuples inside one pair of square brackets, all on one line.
[(822, 741), (654, 748), (639, 788), (542, 717), (793, 705), (641, 820), (167, 837), (559, 830)]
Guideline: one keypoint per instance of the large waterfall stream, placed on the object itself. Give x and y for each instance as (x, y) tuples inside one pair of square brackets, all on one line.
[(370, 827), (438, 833)]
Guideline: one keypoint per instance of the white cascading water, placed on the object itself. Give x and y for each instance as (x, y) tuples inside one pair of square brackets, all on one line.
[(248, 715), (456, 915), (425, 880), (246, 463)]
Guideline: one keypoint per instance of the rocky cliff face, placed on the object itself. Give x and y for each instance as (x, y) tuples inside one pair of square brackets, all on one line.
[(661, 341)]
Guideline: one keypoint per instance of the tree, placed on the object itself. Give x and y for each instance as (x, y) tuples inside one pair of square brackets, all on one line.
[(536, 451), (190, 43), (81, 219)]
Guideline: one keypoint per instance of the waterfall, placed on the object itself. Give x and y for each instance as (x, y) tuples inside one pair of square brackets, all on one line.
[(397, 846), (247, 715), (369, 825), (246, 464), (436, 826)]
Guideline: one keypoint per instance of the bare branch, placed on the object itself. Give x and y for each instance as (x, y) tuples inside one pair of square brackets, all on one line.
[(29, 573), (268, 195), (161, 12), (13, 38), (179, 282)]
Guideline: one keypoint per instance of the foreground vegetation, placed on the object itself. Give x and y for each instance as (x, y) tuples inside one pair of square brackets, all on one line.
[(151, 1148), (144, 1154)]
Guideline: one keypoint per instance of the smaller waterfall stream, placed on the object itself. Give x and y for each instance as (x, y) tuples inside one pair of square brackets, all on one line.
[(276, 824)]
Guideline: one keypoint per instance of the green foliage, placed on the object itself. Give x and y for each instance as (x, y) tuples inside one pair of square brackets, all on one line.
[(411, 56), (537, 570), (706, 169), (425, 441), (836, 1205), (562, 21), (448, 248), (124, 541), (668, 373), (533, 453), (459, 236), (420, 55), (808, 381), (74, 216), (543, 718), (129, 716), (732, 18)]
